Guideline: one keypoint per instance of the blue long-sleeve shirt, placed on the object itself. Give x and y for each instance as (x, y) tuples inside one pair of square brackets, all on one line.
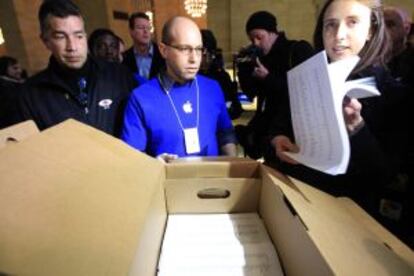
[(151, 125)]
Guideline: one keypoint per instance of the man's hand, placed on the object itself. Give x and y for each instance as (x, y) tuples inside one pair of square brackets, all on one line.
[(283, 144), (352, 115), (229, 149), (260, 71), (167, 157)]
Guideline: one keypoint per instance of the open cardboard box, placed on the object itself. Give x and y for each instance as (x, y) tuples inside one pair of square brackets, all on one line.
[(75, 201)]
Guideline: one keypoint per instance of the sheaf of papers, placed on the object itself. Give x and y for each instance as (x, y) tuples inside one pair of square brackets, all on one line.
[(316, 91), (217, 244)]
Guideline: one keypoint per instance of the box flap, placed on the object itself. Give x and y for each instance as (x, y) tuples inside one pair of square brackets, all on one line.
[(383, 234), (290, 236), (341, 238), (17, 133), (72, 202), (199, 167)]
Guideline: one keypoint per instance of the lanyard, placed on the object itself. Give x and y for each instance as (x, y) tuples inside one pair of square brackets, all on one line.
[(175, 109)]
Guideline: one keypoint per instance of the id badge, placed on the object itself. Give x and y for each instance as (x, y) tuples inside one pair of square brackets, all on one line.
[(192, 143)]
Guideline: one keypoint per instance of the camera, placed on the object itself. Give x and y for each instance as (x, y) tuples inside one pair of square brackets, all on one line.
[(248, 55), (244, 62)]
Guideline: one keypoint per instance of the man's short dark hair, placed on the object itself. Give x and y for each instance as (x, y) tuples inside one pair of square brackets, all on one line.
[(57, 8), (137, 15)]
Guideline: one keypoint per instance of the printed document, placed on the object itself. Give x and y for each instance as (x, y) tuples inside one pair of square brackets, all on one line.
[(317, 90), (217, 244)]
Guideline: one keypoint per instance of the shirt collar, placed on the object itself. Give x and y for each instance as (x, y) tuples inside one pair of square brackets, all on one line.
[(167, 83), (150, 51)]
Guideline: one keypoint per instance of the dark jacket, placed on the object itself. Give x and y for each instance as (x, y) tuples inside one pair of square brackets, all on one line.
[(48, 98), (402, 66), (157, 64), (283, 56), (9, 92), (272, 92), (377, 150), (229, 89)]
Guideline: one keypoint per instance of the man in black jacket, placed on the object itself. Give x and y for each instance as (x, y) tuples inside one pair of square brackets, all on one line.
[(143, 59), (74, 85), (267, 79)]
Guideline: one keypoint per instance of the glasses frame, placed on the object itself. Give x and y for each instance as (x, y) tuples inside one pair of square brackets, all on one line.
[(188, 50)]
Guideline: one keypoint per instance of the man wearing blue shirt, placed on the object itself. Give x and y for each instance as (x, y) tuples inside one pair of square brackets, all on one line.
[(143, 59), (179, 112)]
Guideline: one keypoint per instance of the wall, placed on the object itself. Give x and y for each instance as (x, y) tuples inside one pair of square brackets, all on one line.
[(95, 14), (3, 50), (165, 9), (406, 4), (21, 33), (227, 19), (120, 26)]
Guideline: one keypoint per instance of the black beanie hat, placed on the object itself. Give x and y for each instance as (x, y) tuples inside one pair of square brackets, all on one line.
[(261, 20), (209, 41)]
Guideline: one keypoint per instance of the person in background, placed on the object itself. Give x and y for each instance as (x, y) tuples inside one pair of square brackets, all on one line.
[(212, 66), (376, 126), (11, 70), (410, 38), (104, 44), (143, 59), (179, 113), (265, 76), (74, 85), (398, 24), (401, 64), (11, 79)]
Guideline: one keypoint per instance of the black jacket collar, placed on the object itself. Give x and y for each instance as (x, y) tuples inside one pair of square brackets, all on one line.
[(57, 76)]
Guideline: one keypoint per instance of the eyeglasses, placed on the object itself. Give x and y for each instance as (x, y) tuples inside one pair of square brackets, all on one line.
[(188, 50), (143, 28)]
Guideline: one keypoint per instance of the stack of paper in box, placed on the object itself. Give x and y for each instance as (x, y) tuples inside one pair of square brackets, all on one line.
[(217, 244)]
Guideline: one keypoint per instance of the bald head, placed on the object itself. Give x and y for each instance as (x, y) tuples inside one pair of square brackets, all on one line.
[(398, 13), (398, 24), (176, 26), (182, 48)]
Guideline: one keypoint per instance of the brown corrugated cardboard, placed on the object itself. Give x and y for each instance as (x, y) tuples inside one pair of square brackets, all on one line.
[(75, 201), (347, 245), (17, 132)]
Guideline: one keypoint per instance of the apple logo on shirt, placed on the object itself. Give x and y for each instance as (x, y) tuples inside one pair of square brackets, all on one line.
[(187, 107)]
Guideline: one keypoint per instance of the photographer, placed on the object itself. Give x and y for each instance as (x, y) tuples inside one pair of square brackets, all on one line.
[(262, 72)]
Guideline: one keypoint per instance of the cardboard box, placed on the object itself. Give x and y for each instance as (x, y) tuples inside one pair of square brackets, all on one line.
[(75, 201), (17, 133)]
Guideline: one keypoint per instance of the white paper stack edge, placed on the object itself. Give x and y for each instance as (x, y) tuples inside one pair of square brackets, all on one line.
[(217, 244)]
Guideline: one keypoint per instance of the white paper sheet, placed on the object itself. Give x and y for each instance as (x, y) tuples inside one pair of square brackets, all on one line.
[(217, 244), (316, 92)]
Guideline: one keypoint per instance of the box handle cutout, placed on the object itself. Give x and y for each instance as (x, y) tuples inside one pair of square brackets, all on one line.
[(10, 140), (213, 193)]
